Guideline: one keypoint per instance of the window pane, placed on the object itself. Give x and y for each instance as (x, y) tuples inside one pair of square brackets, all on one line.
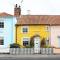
[(1, 41), (1, 24), (25, 30), (25, 41)]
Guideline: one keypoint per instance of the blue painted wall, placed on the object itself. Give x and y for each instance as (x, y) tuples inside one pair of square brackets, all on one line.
[(8, 32)]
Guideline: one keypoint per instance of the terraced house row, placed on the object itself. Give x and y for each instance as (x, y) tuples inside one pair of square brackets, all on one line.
[(24, 29)]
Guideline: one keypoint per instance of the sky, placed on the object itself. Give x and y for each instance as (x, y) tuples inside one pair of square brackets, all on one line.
[(36, 7)]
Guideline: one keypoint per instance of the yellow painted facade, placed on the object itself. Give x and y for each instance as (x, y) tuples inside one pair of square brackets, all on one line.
[(41, 30)]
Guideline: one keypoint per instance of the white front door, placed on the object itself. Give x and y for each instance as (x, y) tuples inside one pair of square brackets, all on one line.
[(36, 44)]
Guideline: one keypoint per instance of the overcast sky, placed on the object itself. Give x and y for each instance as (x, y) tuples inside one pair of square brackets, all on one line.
[(41, 7)]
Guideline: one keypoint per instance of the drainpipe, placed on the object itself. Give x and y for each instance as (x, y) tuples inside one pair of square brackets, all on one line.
[(16, 34), (50, 34)]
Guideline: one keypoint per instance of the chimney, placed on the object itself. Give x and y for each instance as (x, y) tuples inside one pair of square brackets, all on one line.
[(17, 11)]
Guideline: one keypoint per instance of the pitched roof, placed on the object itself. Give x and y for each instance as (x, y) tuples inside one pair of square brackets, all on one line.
[(39, 19), (3, 14)]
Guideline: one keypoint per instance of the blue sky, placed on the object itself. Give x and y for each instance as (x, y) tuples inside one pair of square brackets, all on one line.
[(41, 7)]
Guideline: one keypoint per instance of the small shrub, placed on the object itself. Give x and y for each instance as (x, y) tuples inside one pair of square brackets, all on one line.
[(27, 46), (47, 46), (14, 45)]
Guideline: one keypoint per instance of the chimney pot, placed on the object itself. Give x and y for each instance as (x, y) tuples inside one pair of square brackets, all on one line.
[(16, 5), (17, 11), (19, 6)]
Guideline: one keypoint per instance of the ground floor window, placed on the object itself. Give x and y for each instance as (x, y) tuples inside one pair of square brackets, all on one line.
[(25, 41), (1, 24), (1, 41)]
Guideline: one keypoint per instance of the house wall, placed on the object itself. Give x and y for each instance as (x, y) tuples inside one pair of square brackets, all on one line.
[(56, 50), (8, 31), (41, 30), (55, 32)]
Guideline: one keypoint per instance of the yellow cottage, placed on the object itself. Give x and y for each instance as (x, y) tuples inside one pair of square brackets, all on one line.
[(30, 26)]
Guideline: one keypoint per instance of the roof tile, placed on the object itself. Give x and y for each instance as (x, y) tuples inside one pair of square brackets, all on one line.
[(5, 14), (39, 19)]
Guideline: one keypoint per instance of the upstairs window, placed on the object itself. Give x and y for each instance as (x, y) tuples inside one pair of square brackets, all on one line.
[(47, 28), (25, 29), (1, 24)]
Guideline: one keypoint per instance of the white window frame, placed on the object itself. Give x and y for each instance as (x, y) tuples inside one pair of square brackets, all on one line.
[(26, 40), (24, 27), (47, 28)]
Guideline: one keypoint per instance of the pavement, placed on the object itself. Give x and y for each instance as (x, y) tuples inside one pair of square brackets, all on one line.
[(29, 56)]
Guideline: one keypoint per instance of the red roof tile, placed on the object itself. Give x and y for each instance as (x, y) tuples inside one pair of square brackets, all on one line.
[(5, 14), (39, 19)]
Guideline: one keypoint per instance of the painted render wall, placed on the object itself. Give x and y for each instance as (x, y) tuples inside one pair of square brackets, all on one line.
[(41, 30), (8, 31), (55, 32)]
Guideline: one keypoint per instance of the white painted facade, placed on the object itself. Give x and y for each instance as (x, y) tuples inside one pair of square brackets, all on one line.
[(55, 36)]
